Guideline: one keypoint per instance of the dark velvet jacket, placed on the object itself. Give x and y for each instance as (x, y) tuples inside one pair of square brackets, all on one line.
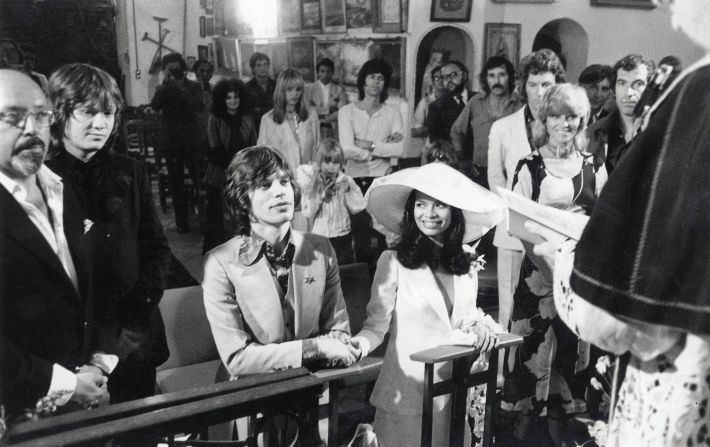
[(645, 253), (130, 248), (43, 318)]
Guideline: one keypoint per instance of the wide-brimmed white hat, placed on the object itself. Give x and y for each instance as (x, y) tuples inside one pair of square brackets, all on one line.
[(386, 198)]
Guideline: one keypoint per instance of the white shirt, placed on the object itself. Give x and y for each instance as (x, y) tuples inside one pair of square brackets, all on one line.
[(325, 94), (356, 123), (53, 232)]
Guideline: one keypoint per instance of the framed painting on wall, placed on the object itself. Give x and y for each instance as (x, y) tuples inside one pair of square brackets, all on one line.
[(331, 49), (523, 1), (289, 16), (502, 39), (386, 16), (359, 13), (310, 15), (393, 51), (355, 53), (451, 10), (279, 57), (300, 50), (203, 52), (642, 4), (219, 17), (333, 16)]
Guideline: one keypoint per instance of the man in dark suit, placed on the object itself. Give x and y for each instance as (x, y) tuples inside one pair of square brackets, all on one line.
[(179, 102), (444, 111), (128, 240), (45, 301)]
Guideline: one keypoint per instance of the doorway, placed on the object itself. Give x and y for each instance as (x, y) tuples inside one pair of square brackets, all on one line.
[(569, 40), (439, 45)]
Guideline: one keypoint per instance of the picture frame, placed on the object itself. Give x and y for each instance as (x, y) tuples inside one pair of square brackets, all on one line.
[(209, 26), (638, 4), (502, 39), (523, 1), (333, 16), (448, 11), (279, 57), (387, 16), (289, 16), (302, 57), (203, 52), (354, 54), (393, 51), (219, 26), (358, 13), (202, 26), (310, 16), (332, 50)]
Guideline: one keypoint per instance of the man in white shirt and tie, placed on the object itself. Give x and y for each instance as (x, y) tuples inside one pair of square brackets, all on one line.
[(46, 341)]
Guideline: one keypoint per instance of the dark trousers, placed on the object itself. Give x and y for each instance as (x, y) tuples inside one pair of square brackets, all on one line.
[(369, 244), (176, 164), (343, 246), (215, 233)]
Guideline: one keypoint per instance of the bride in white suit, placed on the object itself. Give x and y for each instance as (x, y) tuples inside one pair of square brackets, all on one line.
[(424, 290)]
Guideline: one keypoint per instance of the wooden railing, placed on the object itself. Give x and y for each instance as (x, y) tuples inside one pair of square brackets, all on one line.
[(181, 412), (461, 380)]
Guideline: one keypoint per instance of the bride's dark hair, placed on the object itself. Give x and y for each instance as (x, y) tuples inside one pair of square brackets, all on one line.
[(415, 248)]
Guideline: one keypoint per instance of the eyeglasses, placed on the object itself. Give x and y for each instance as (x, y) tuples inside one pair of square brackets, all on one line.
[(453, 74), (42, 118)]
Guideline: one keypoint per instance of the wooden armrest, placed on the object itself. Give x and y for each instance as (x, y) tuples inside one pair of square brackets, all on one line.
[(444, 353)]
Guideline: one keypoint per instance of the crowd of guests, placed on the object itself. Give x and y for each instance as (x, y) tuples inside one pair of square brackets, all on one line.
[(299, 180)]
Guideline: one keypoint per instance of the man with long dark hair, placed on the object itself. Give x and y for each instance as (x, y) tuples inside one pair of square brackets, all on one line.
[(128, 243), (497, 78)]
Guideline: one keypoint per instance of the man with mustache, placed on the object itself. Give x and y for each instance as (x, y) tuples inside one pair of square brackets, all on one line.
[(46, 307), (497, 78), (611, 136)]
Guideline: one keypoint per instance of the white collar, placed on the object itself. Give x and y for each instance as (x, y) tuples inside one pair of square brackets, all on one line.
[(46, 177)]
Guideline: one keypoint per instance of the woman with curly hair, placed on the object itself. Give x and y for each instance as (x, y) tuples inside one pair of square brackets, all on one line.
[(424, 290), (230, 128)]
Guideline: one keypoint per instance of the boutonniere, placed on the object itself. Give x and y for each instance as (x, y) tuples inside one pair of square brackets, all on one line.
[(309, 280), (478, 263), (88, 223)]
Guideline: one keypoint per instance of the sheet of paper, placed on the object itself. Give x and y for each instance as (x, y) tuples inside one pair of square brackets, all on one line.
[(520, 210)]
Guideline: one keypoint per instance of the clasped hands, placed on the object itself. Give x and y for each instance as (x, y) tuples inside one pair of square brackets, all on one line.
[(91, 387), (338, 349)]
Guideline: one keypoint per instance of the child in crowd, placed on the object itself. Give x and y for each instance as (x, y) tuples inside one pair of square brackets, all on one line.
[(329, 196)]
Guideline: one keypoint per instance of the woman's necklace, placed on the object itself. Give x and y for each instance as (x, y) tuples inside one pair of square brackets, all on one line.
[(561, 150), (294, 121)]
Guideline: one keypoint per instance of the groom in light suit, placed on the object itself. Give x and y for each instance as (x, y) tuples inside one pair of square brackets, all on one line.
[(272, 294)]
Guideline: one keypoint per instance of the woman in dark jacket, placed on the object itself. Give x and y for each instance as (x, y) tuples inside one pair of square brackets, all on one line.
[(230, 128)]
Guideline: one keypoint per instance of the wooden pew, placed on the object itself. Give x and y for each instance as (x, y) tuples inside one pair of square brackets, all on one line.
[(461, 380), (180, 412)]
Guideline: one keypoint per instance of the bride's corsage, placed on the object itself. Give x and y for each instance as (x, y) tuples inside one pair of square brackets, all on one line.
[(477, 262)]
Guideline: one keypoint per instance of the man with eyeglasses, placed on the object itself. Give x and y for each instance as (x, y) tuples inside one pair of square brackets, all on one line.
[(611, 136), (497, 78), (46, 317), (444, 111)]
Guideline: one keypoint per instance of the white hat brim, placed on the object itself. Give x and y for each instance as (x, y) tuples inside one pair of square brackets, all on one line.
[(387, 196)]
